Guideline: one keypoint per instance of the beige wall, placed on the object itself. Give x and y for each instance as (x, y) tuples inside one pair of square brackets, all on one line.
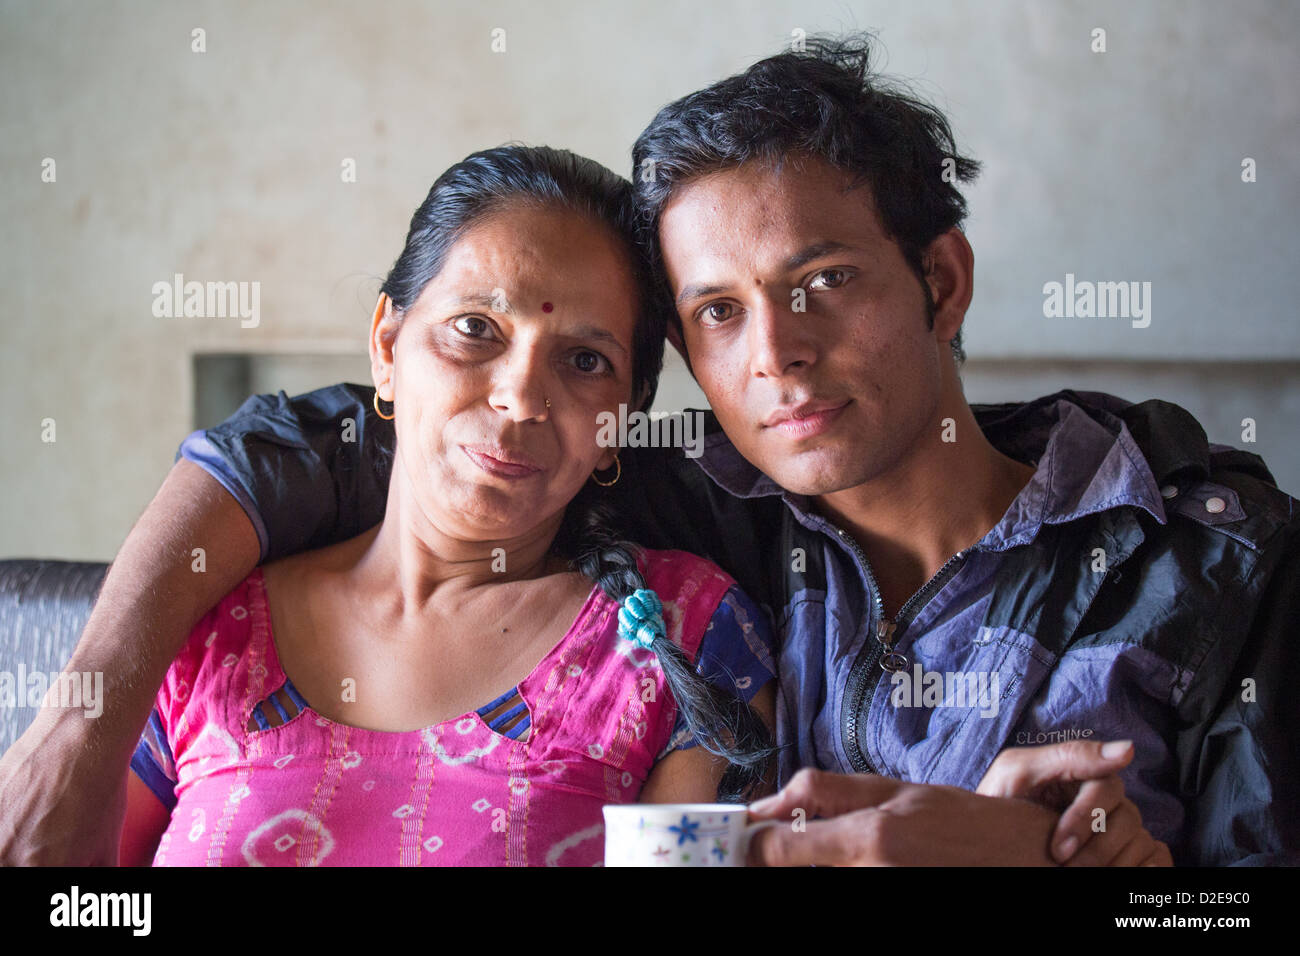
[(225, 165)]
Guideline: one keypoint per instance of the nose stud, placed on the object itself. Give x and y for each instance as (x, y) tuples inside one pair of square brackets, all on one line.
[(548, 403)]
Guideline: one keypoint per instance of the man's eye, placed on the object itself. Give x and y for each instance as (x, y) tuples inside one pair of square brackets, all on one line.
[(828, 279), (590, 362), (717, 312), (472, 325)]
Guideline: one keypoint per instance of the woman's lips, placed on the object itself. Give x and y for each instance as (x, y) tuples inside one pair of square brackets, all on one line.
[(499, 462), (807, 425)]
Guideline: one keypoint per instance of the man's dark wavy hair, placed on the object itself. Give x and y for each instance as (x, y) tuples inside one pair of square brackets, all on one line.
[(823, 100)]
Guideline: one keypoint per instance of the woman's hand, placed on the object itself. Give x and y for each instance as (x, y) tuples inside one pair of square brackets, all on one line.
[(693, 775), (1080, 780)]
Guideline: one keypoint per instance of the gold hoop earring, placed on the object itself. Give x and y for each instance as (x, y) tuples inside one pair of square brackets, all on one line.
[(617, 474), (387, 418)]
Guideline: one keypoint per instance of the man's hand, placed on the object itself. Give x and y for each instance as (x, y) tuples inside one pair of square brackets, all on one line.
[(1079, 778), (48, 817), (63, 783), (870, 820)]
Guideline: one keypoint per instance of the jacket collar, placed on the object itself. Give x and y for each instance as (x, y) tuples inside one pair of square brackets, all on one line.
[(1087, 462), (1086, 457)]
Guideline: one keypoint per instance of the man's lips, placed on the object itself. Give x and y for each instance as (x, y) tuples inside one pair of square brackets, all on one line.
[(806, 420), (501, 461)]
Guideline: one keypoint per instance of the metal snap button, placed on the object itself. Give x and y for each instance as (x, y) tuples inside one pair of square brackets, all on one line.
[(1215, 505), (1168, 491)]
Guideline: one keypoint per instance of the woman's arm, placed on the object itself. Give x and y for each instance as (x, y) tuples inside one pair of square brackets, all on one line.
[(693, 775), (152, 597), (146, 819)]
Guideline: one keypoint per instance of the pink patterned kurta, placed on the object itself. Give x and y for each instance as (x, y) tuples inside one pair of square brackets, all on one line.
[(313, 791)]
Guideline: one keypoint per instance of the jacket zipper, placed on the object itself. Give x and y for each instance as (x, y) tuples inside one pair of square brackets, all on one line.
[(881, 651)]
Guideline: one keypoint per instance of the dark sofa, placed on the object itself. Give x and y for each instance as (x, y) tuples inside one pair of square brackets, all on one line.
[(43, 608)]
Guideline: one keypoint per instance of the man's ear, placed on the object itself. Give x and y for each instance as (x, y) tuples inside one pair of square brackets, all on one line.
[(384, 326), (949, 265)]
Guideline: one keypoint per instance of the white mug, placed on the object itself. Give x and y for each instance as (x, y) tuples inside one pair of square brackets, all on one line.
[(677, 834)]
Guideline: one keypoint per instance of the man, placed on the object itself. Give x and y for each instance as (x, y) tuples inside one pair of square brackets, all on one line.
[(948, 582), (1123, 592)]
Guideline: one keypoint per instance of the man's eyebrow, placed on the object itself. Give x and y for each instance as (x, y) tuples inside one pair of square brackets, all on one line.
[(804, 256), (814, 252)]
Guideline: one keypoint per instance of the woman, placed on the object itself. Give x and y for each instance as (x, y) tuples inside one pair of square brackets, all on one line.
[(470, 681)]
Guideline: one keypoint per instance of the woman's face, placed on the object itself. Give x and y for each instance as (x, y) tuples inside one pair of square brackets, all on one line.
[(532, 304)]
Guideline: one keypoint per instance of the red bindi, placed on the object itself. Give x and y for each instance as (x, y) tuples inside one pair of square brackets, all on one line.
[(547, 307)]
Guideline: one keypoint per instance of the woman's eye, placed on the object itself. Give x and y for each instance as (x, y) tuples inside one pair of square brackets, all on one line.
[(472, 325), (828, 279), (590, 362)]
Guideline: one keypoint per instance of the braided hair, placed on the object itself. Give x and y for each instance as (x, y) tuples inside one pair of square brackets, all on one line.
[(721, 723)]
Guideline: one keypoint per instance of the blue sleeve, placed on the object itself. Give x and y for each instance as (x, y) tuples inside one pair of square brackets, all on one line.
[(737, 655), (309, 471), (153, 762)]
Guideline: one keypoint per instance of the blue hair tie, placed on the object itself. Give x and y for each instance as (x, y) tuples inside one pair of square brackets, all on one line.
[(640, 619)]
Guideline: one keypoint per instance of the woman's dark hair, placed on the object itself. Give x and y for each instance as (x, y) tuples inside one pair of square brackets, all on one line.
[(482, 184), (822, 100), (486, 182)]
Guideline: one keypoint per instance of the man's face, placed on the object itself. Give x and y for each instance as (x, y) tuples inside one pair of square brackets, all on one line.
[(822, 399)]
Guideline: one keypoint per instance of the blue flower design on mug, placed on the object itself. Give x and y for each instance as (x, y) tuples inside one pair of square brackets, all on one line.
[(685, 830)]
